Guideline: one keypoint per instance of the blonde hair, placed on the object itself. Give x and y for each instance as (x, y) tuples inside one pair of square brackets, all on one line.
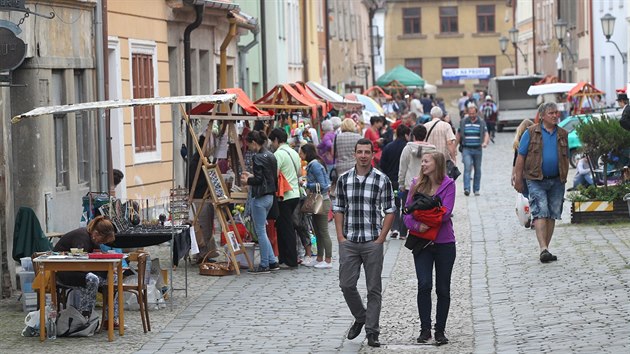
[(519, 132), (424, 183), (348, 125), (104, 227)]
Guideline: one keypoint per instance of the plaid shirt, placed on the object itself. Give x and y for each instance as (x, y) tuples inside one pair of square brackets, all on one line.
[(363, 204)]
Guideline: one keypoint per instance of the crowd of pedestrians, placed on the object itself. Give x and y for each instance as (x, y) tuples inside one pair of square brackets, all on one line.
[(376, 179)]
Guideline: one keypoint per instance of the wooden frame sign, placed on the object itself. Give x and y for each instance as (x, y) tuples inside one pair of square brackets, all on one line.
[(215, 180)]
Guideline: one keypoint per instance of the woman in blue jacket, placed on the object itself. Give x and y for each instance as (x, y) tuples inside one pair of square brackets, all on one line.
[(317, 176)]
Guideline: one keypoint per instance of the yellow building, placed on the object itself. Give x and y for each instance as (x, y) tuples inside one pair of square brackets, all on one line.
[(428, 36)]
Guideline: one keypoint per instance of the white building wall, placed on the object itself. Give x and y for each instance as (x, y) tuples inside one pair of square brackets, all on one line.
[(607, 60), (379, 60)]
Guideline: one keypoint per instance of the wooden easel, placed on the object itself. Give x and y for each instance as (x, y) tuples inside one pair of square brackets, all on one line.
[(217, 191)]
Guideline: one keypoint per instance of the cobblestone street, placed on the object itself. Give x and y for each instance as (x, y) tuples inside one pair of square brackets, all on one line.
[(503, 299)]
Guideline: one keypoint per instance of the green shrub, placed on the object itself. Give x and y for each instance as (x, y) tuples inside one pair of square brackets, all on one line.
[(602, 136), (612, 193)]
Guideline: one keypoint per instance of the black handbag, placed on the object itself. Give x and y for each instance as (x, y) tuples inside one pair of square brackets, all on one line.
[(452, 170)]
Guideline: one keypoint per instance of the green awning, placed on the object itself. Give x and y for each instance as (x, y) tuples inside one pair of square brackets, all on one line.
[(402, 75)]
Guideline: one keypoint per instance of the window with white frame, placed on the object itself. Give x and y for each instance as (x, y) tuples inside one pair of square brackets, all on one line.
[(332, 28), (146, 122)]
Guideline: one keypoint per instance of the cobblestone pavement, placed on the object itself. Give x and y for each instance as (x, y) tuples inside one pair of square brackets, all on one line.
[(578, 304), (503, 299)]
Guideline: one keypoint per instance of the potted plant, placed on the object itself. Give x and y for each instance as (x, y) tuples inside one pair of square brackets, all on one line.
[(606, 142)]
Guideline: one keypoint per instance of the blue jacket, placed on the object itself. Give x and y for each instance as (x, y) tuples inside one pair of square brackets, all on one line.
[(316, 173)]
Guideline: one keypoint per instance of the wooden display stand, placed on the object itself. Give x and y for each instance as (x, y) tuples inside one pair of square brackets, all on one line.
[(218, 193)]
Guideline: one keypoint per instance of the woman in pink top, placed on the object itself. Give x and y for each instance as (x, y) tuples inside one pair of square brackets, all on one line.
[(433, 181)]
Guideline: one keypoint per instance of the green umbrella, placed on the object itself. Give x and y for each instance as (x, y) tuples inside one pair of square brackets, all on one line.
[(402, 75)]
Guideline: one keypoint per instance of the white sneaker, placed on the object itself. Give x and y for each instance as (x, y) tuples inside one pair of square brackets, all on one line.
[(323, 265), (309, 261)]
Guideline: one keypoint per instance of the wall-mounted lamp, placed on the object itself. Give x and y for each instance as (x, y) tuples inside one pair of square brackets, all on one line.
[(513, 32), (378, 40), (503, 42), (561, 29), (608, 27)]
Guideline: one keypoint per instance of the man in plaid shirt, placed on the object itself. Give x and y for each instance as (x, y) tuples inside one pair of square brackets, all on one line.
[(363, 195)]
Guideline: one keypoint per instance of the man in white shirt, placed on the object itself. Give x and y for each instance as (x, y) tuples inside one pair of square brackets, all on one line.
[(442, 135)]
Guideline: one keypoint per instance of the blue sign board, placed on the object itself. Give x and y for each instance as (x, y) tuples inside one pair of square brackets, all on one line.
[(466, 74)]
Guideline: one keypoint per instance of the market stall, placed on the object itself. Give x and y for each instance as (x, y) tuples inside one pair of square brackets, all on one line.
[(334, 99), (138, 233), (221, 117), (378, 94), (584, 98)]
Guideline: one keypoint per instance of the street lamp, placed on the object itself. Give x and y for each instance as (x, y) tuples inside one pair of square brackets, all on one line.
[(513, 32), (503, 42), (608, 27), (561, 29)]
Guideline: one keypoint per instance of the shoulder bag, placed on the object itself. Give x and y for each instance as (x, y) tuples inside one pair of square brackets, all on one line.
[(314, 202), (451, 169), (333, 171)]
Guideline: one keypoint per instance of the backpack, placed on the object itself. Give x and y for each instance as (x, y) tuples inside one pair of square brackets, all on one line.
[(487, 111), (71, 323)]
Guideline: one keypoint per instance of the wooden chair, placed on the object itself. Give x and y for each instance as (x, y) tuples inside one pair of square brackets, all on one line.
[(139, 289)]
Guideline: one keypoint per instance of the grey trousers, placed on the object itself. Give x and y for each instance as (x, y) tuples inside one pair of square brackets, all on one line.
[(351, 256)]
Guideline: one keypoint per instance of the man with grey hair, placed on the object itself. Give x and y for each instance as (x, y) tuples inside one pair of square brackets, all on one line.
[(336, 124), (543, 160), (441, 135)]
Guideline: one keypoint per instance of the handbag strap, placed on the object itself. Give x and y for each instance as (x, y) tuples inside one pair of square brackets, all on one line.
[(430, 130), (335, 150), (297, 174)]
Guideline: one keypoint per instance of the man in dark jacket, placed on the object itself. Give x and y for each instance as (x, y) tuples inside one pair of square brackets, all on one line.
[(622, 100), (390, 160)]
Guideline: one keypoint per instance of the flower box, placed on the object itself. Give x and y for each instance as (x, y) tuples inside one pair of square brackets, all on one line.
[(599, 212)]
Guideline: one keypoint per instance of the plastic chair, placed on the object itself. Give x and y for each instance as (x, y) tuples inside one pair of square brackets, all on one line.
[(139, 289)]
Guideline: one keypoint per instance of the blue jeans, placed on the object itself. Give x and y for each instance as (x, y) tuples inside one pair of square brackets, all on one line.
[(260, 209), (545, 198), (582, 180), (443, 256), (472, 159)]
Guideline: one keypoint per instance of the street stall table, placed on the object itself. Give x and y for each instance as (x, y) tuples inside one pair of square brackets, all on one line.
[(54, 264)]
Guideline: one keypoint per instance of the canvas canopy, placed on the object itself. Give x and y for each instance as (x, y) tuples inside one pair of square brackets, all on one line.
[(335, 99), (242, 100), (403, 76), (154, 101), (376, 91), (543, 89)]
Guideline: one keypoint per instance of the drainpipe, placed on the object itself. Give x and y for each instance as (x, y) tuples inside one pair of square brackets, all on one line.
[(263, 46), (242, 53), (305, 41), (188, 76), (108, 121), (371, 13), (534, 36), (592, 58), (100, 93), (327, 30), (226, 42)]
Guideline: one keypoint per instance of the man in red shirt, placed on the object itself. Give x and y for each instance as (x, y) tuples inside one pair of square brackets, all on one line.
[(373, 133)]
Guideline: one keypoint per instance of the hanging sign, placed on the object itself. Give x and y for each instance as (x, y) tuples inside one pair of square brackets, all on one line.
[(13, 5), (466, 73), (12, 49)]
